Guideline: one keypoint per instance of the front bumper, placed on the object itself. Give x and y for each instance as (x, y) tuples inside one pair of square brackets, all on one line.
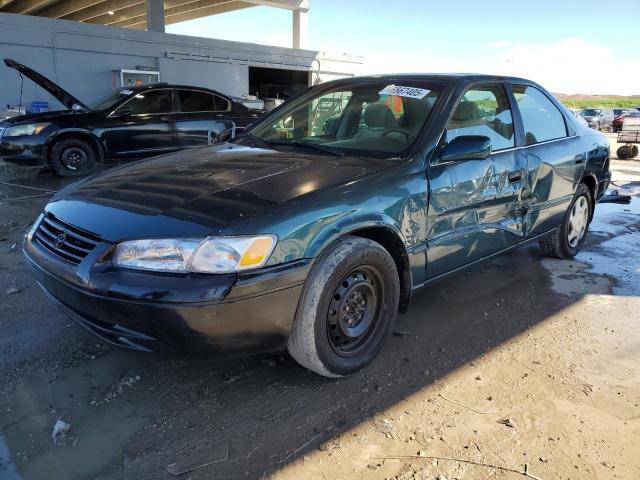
[(147, 311), (26, 151)]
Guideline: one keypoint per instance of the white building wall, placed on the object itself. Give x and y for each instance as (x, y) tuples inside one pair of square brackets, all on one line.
[(81, 57)]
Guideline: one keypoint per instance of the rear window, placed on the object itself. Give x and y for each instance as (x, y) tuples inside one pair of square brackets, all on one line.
[(197, 101), (541, 119)]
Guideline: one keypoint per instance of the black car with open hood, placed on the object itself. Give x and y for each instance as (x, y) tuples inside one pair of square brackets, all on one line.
[(129, 124)]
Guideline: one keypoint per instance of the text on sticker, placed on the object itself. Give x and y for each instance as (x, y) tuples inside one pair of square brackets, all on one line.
[(410, 92)]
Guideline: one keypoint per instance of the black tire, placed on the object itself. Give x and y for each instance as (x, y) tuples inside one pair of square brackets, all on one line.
[(354, 285), (623, 152), (557, 244), (634, 151), (72, 157)]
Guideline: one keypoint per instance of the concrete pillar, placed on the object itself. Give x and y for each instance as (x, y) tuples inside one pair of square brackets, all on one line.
[(155, 15), (300, 28)]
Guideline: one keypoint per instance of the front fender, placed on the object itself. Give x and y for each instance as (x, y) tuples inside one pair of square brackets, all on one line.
[(81, 133), (349, 224)]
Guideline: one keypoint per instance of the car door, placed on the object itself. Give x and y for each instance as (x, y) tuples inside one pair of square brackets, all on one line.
[(202, 118), (610, 117), (142, 126), (555, 158), (475, 205)]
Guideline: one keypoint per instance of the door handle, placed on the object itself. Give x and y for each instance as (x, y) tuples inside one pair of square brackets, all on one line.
[(515, 176), (165, 119)]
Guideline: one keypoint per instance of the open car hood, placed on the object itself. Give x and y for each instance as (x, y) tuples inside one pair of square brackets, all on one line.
[(59, 93)]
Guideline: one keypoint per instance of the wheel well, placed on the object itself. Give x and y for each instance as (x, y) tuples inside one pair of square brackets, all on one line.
[(90, 139), (392, 244), (591, 184)]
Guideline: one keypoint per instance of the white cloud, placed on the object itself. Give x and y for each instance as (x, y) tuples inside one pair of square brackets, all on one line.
[(572, 65), (499, 44)]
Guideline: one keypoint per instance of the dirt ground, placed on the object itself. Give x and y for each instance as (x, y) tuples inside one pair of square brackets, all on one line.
[(520, 364)]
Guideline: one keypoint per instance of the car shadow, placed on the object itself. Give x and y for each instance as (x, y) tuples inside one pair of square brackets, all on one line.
[(142, 416), (253, 416)]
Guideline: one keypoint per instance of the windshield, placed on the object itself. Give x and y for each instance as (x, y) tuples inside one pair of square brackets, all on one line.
[(111, 100), (590, 112), (370, 118)]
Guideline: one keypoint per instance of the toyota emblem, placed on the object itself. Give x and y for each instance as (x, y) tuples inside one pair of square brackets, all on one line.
[(60, 239)]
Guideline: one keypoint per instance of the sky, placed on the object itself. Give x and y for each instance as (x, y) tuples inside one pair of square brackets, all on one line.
[(568, 46)]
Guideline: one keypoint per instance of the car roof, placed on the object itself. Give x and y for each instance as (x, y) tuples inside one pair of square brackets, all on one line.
[(163, 85), (439, 77)]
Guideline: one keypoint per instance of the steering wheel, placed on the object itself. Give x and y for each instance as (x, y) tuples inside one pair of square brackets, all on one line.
[(400, 130)]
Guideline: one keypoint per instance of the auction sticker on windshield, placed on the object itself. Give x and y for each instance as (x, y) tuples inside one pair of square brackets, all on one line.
[(410, 92)]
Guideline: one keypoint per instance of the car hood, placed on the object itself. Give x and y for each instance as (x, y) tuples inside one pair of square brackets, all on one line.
[(59, 93), (56, 115), (589, 118), (199, 192)]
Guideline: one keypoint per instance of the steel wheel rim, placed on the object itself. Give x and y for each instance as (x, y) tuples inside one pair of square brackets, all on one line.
[(578, 221), (73, 158), (355, 310)]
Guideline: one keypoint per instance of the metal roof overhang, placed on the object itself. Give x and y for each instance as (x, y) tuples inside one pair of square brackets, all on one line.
[(133, 13)]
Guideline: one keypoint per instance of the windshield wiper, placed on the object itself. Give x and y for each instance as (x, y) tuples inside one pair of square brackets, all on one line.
[(316, 146)]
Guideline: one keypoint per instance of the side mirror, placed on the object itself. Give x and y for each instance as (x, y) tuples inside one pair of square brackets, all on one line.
[(122, 112), (466, 147)]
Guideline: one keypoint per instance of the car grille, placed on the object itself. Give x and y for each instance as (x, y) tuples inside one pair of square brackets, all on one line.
[(64, 240)]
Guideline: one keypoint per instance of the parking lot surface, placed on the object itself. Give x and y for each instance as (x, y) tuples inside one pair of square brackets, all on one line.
[(522, 364)]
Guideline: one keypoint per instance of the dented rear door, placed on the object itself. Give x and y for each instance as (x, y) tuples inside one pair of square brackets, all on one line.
[(555, 156)]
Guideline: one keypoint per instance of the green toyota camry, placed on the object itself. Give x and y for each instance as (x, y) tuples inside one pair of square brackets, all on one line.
[(313, 229)]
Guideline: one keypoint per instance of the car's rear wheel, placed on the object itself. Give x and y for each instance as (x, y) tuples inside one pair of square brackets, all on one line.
[(623, 152), (347, 308), (567, 240), (72, 157)]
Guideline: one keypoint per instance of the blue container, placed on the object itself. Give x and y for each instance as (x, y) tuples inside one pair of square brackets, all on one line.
[(39, 107)]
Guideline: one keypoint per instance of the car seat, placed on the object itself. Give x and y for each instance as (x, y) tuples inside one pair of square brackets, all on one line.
[(377, 118)]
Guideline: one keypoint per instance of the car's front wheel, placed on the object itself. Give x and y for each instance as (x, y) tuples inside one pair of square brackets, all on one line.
[(566, 241), (72, 157), (347, 308)]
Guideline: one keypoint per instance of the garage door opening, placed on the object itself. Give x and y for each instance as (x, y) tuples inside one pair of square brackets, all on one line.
[(271, 83)]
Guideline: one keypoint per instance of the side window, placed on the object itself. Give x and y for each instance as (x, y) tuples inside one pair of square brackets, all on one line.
[(148, 103), (484, 111), (541, 119), (194, 101), (222, 104)]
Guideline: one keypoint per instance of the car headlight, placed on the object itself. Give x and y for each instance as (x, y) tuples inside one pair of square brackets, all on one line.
[(195, 255), (20, 130)]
